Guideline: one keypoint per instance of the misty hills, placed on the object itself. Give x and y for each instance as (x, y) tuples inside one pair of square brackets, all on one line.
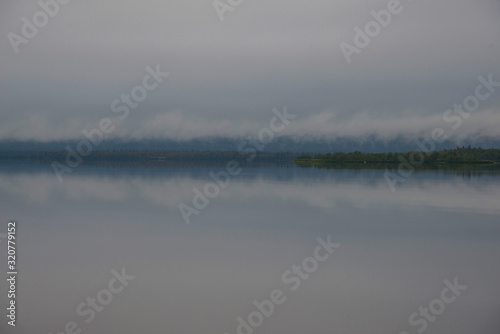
[(280, 144)]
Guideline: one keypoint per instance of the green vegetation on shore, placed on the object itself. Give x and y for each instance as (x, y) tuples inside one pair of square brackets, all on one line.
[(460, 155)]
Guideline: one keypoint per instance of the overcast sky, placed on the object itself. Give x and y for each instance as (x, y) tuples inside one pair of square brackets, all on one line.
[(227, 76)]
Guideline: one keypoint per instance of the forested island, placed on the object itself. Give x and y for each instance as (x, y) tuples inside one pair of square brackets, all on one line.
[(459, 155)]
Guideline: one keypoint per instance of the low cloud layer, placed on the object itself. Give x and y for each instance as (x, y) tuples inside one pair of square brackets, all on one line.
[(179, 125), (226, 77)]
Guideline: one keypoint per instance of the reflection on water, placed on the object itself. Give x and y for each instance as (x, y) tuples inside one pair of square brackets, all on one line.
[(397, 248)]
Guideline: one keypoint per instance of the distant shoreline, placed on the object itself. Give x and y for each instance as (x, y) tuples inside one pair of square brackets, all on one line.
[(354, 160), (153, 157)]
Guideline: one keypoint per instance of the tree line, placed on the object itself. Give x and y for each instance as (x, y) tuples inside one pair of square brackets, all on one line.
[(458, 155)]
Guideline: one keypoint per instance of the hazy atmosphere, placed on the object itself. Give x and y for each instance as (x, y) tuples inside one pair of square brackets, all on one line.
[(226, 76), (249, 166)]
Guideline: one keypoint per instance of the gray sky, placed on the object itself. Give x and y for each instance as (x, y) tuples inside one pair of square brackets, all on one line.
[(227, 76)]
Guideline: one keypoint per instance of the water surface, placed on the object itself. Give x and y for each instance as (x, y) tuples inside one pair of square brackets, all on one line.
[(396, 249)]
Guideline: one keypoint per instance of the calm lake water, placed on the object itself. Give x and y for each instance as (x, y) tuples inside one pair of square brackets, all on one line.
[(396, 250)]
